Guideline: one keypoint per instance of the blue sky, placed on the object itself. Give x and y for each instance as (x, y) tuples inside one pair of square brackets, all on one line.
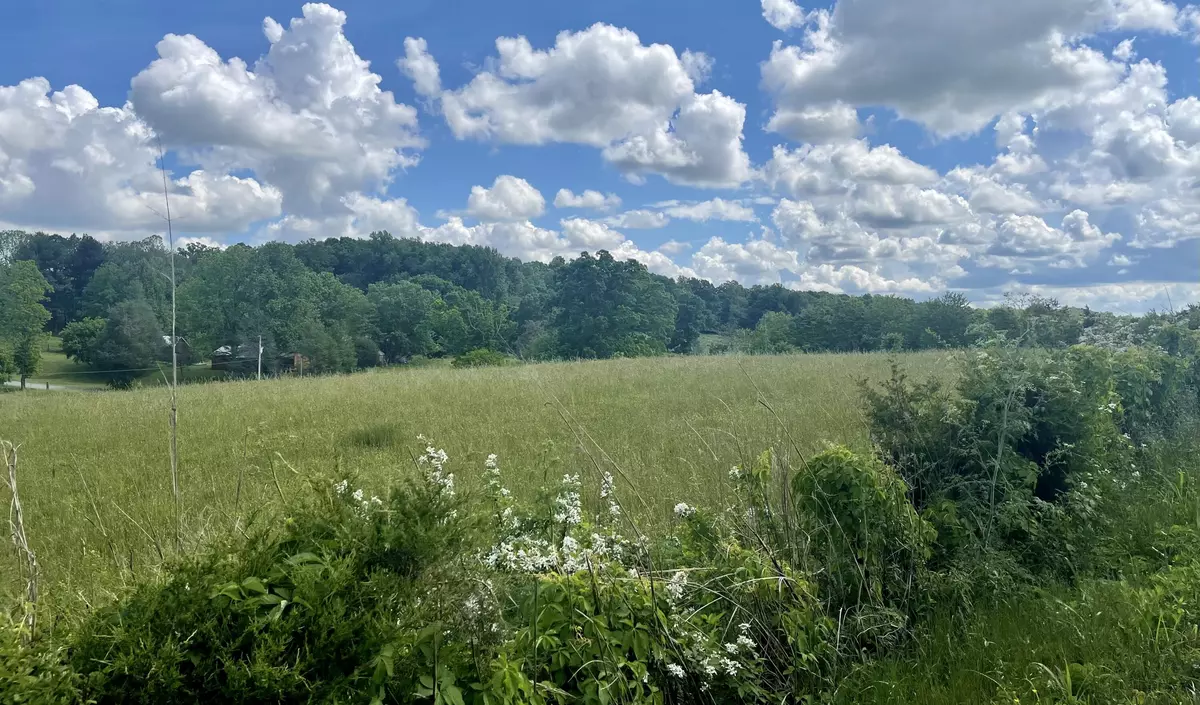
[(885, 146)]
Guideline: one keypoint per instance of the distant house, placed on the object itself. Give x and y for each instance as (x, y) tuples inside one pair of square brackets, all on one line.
[(183, 351), (242, 360), (294, 363)]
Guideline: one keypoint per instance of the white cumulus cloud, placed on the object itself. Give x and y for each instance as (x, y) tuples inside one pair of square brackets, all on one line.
[(509, 198), (565, 198)]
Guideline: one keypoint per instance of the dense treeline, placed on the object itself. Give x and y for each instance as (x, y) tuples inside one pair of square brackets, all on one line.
[(342, 304)]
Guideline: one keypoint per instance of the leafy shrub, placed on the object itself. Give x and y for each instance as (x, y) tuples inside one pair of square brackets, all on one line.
[(1016, 457), (864, 533), (482, 358), (32, 673), (334, 605)]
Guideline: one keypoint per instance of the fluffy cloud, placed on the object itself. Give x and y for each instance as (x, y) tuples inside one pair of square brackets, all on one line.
[(1027, 238), (309, 118), (641, 219), (509, 198), (420, 67), (595, 200), (601, 87), (715, 209), (66, 162), (852, 278), (838, 167), (361, 215), (783, 14), (1123, 297), (752, 262), (954, 67), (816, 124)]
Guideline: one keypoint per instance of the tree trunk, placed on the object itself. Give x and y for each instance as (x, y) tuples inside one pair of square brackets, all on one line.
[(22, 382)]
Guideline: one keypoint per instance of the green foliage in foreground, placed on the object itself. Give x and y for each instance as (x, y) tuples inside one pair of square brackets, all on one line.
[(1011, 543)]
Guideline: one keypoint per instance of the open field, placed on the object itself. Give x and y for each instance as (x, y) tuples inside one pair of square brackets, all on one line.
[(96, 486)]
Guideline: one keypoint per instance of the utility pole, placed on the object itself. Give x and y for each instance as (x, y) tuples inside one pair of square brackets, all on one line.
[(260, 358), (174, 418)]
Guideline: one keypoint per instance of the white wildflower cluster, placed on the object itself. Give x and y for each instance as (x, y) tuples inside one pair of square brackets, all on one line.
[(684, 510), (676, 670), (735, 473), (608, 492), (1109, 407), (567, 507), (1115, 333), (523, 555), (471, 607), (491, 470), (364, 505), (499, 494), (676, 586), (434, 463), (744, 641), (576, 558), (577, 551)]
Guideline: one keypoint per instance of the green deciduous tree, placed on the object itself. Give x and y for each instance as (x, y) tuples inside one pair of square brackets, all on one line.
[(23, 315), (129, 342), (403, 319), (80, 338), (606, 307)]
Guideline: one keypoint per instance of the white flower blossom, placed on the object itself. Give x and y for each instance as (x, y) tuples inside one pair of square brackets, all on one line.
[(341, 487), (730, 666), (746, 642), (676, 586), (567, 507), (608, 491), (357, 495), (435, 460), (731, 648), (735, 473), (683, 510), (675, 670)]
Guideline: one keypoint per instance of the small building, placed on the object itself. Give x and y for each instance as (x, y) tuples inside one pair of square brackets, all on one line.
[(183, 350), (240, 360)]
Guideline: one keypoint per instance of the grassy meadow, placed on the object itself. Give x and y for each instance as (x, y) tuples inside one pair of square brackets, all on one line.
[(95, 481)]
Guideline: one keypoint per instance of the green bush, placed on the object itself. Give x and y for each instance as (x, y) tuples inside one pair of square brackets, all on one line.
[(32, 673), (335, 604), (482, 358), (866, 536), (1015, 458)]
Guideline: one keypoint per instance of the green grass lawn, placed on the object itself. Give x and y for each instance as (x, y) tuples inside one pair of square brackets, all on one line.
[(58, 370), (95, 477)]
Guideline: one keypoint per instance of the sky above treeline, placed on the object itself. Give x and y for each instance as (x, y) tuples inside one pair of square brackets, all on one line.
[(881, 146)]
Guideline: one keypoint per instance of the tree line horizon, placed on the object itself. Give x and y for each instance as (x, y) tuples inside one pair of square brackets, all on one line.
[(346, 303)]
